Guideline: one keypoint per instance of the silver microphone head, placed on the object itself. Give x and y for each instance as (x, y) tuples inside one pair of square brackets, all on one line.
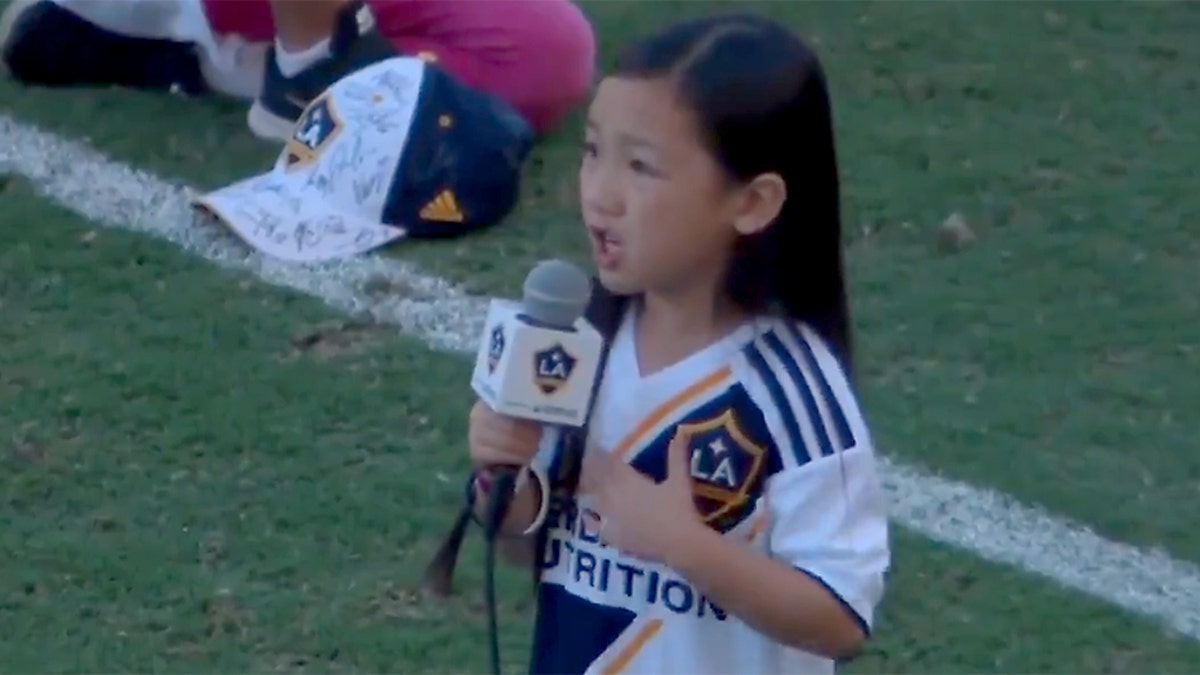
[(556, 293)]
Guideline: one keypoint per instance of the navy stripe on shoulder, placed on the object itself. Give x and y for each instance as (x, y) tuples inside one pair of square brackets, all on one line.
[(757, 361), (844, 436), (795, 376)]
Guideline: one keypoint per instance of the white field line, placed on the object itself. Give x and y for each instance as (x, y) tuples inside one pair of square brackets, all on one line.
[(990, 524)]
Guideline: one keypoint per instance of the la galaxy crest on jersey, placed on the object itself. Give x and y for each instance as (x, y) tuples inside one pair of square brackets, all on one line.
[(315, 130), (552, 368), (495, 347), (726, 467)]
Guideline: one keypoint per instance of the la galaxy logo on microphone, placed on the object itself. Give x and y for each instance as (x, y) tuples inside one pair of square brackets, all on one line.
[(495, 347), (552, 368)]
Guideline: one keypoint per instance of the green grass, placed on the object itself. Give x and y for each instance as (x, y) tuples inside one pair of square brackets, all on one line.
[(206, 475), (190, 487), (1065, 134)]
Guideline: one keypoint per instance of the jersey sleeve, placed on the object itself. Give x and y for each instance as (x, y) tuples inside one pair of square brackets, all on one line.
[(827, 514)]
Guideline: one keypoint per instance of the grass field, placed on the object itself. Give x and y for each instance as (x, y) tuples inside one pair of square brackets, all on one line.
[(206, 473)]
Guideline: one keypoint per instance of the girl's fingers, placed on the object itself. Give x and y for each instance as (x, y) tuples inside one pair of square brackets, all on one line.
[(594, 473), (525, 429), (504, 440), (586, 473)]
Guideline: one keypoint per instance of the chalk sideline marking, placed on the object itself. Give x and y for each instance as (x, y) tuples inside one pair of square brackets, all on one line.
[(990, 524)]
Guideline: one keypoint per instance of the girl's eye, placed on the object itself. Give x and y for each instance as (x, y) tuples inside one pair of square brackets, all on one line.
[(639, 166), (589, 149)]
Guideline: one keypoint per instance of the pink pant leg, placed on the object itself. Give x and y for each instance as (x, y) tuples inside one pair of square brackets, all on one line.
[(250, 19), (539, 55)]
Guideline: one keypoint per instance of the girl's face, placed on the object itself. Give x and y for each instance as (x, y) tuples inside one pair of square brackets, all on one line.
[(659, 211)]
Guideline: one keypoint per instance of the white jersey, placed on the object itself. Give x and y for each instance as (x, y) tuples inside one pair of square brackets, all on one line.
[(782, 461)]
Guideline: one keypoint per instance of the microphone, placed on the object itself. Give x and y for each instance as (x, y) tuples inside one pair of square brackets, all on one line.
[(538, 358)]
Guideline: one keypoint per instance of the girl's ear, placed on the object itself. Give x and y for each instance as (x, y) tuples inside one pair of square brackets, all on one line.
[(760, 202)]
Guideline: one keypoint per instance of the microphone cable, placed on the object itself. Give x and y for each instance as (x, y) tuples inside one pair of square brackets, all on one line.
[(503, 487), (439, 574)]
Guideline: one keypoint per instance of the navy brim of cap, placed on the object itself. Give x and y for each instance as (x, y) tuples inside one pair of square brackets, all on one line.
[(279, 216)]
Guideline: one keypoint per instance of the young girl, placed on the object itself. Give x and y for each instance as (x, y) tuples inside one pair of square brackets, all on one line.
[(728, 518)]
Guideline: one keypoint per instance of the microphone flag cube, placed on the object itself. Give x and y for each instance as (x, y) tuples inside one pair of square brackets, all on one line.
[(534, 371)]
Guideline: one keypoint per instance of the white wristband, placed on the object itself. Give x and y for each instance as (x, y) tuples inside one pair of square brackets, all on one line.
[(543, 496)]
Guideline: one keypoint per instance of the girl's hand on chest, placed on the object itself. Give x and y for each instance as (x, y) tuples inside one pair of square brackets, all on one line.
[(639, 516)]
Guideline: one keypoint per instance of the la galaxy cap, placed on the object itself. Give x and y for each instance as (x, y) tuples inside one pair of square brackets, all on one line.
[(397, 149)]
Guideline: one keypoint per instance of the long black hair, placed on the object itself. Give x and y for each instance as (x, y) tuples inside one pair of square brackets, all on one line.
[(761, 100)]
